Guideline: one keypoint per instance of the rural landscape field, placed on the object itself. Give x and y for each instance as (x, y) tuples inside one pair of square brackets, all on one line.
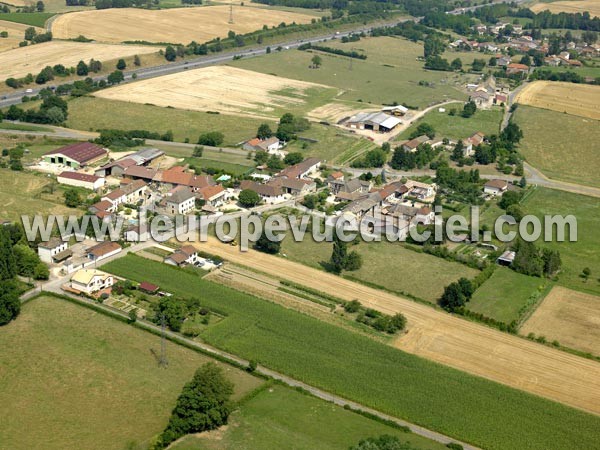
[(268, 224)]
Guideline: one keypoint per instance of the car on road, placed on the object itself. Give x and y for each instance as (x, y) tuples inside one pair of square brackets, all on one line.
[(28, 91)]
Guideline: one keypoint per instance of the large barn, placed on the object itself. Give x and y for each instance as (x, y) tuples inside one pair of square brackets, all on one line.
[(376, 121), (76, 155)]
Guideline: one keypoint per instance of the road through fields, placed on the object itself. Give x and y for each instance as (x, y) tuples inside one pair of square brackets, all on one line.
[(450, 340)]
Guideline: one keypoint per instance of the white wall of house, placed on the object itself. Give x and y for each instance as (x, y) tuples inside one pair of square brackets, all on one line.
[(46, 254), (182, 208), (96, 284)]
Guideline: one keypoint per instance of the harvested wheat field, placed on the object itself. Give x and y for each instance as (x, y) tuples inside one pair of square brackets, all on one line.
[(225, 89), (577, 99), (570, 317), (177, 25), (31, 59), (449, 340), (592, 6), (16, 32)]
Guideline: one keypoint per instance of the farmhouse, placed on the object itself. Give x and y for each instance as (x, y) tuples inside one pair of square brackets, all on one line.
[(393, 192), (516, 68), (212, 195), (128, 193), (76, 155), (411, 214), (495, 187), (301, 170), (376, 121), (140, 173), (270, 145), (54, 250), (116, 168), (91, 281), (471, 142), (293, 186), (103, 250), (181, 201), (349, 190), (421, 191), (364, 206), (269, 194), (411, 146), (185, 255), (83, 180)]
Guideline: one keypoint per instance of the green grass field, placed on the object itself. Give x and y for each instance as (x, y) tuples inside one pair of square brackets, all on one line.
[(457, 127), (503, 295), (575, 255), (21, 193), (278, 416), (33, 19), (389, 265), (372, 373), (562, 146), (391, 72), (23, 127), (74, 378), (88, 113)]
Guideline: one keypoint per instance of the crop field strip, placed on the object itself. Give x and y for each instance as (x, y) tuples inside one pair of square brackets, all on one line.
[(575, 6), (407, 386)]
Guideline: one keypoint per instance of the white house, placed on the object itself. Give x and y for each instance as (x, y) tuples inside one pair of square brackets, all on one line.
[(128, 193), (83, 180), (91, 280), (185, 255), (495, 187), (53, 250), (181, 201)]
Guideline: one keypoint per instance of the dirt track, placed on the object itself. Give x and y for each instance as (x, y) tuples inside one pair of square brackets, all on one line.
[(450, 340)]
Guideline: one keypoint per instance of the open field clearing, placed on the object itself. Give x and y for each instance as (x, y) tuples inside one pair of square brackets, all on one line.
[(575, 255), (33, 58), (570, 317), (504, 294), (89, 113), (279, 415), (220, 88), (406, 386), (73, 378), (429, 274), (592, 6), (458, 127), (177, 25), (571, 98), (562, 146), (16, 32), (391, 72), (32, 19), (21, 193)]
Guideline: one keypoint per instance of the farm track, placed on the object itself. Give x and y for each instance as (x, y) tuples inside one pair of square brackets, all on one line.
[(450, 340)]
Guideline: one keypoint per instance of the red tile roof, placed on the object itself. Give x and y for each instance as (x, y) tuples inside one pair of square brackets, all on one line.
[(209, 192), (79, 176), (103, 248), (81, 152), (148, 287)]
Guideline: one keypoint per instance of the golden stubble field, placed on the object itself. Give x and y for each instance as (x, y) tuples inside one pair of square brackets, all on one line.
[(577, 99), (592, 6), (16, 32), (570, 317), (178, 25), (219, 88), (449, 340), (33, 58)]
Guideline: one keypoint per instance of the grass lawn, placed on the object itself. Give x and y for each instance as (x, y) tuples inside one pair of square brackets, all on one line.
[(33, 19), (21, 193), (23, 127), (575, 255), (372, 373), (562, 146), (503, 295), (333, 144), (457, 127), (280, 415), (391, 72), (73, 378), (389, 265), (90, 114)]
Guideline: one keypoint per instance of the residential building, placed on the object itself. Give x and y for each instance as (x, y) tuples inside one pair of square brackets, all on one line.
[(303, 169), (83, 180), (53, 250), (128, 193), (181, 201), (185, 255), (411, 146), (103, 250), (269, 145), (267, 193), (421, 191), (91, 281), (212, 195), (495, 187), (516, 68), (349, 190), (293, 186), (76, 155)]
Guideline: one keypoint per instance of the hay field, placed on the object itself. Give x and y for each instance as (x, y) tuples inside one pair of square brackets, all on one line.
[(178, 25), (570, 317), (225, 89), (31, 59), (449, 340), (578, 99), (16, 31), (592, 6)]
